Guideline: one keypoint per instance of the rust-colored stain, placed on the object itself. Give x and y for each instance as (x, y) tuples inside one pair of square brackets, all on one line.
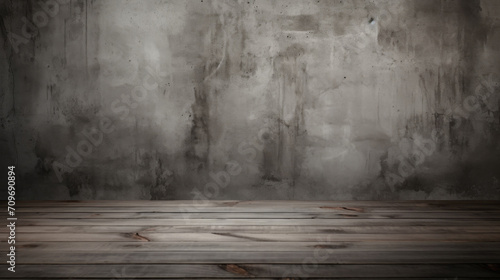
[(28, 246), (343, 208), (231, 203), (138, 237), (494, 267), (235, 269), (328, 246)]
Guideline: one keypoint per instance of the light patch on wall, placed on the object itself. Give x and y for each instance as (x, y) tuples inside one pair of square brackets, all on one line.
[(151, 53)]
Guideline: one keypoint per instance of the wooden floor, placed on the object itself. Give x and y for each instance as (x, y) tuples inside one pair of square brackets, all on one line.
[(255, 239)]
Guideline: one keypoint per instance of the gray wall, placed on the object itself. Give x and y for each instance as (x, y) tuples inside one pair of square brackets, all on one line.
[(251, 99)]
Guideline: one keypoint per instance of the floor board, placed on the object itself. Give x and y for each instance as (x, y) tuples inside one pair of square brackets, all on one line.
[(255, 240)]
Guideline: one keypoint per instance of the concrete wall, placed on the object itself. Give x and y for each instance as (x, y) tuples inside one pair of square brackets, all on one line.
[(251, 99)]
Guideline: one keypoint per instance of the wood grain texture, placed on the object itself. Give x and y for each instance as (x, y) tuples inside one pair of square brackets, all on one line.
[(251, 237), (205, 271), (320, 255), (422, 228), (237, 246), (256, 240), (259, 215)]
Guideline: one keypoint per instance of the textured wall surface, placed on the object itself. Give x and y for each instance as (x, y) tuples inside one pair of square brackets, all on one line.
[(251, 99)]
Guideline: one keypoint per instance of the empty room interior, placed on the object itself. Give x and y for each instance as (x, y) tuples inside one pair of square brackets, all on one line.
[(255, 139)]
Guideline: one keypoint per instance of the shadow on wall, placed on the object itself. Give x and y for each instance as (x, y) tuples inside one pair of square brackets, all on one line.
[(312, 100)]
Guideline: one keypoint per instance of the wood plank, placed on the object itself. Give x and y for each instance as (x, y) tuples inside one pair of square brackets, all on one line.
[(248, 222), (258, 203), (469, 228), (204, 206), (258, 215), (252, 270), (256, 246), (242, 257), (320, 208), (249, 237)]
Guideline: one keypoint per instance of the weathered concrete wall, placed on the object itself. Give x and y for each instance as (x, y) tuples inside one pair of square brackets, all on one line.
[(251, 99)]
